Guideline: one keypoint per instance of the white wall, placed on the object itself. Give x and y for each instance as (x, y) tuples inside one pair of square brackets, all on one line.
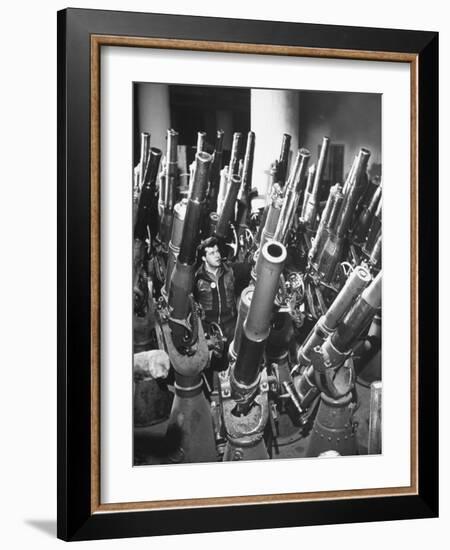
[(28, 277)]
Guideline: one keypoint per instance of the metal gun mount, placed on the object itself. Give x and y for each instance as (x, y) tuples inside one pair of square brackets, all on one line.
[(244, 432)]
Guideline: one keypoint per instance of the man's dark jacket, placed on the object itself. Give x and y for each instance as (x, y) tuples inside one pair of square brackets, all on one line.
[(217, 297)]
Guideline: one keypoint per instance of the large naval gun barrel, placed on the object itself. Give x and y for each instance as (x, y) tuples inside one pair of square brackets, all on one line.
[(256, 327), (182, 276), (291, 195)]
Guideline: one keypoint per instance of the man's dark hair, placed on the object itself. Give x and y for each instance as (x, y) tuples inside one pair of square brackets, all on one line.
[(207, 243)]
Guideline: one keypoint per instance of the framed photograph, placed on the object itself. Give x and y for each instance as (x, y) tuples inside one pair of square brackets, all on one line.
[(247, 286)]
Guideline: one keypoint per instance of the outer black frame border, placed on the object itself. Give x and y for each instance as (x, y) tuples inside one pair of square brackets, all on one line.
[(75, 521)]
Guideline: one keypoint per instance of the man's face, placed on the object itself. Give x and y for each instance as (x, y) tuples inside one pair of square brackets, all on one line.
[(212, 256)]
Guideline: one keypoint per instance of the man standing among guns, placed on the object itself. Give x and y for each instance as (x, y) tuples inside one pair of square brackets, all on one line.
[(216, 285)]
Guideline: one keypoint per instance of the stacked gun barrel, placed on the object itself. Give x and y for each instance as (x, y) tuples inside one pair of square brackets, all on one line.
[(303, 372)]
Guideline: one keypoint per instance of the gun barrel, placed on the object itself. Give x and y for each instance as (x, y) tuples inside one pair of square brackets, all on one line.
[(145, 148), (215, 171), (375, 255), (292, 195), (282, 163), (273, 215), (172, 147), (148, 207), (311, 201), (320, 236), (365, 218), (233, 169), (358, 317), (228, 207), (320, 166), (179, 214), (375, 228), (194, 210), (152, 166), (247, 169), (201, 140), (223, 189), (246, 183), (356, 282), (171, 169), (353, 190), (244, 305), (308, 191), (257, 324)]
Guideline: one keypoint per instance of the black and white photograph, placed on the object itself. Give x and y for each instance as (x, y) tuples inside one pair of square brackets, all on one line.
[(257, 262)]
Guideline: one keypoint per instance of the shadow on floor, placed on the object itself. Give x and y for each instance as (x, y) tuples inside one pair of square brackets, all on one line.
[(47, 526)]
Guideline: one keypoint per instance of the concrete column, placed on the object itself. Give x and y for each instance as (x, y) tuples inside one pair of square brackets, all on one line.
[(272, 113), (154, 113)]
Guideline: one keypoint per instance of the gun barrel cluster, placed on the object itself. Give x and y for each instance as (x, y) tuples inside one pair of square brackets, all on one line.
[(306, 326)]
